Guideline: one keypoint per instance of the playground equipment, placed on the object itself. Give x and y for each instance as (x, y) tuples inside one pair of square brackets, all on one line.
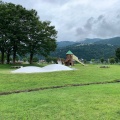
[(70, 57)]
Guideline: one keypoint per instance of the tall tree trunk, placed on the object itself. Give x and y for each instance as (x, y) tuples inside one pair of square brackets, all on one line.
[(14, 50), (8, 57), (2, 56), (31, 58), (14, 55)]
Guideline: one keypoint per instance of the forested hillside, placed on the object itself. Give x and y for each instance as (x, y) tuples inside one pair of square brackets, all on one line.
[(112, 41), (89, 48), (64, 43), (88, 51)]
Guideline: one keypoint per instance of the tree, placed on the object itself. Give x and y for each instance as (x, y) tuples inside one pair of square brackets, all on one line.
[(35, 59), (102, 60), (92, 60), (112, 60), (55, 59), (17, 28), (118, 53), (48, 59), (51, 59), (2, 31), (116, 60), (22, 32), (41, 38), (12, 28)]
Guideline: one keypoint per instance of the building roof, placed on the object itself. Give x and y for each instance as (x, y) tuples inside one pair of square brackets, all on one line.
[(69, 52)]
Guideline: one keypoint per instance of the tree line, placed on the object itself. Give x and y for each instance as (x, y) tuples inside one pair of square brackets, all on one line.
[(23, 33), (89, 51)]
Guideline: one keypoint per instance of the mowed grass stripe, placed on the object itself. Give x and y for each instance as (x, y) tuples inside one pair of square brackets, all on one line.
[(91, 102), (94, 102), (83, 75), (56, 87)]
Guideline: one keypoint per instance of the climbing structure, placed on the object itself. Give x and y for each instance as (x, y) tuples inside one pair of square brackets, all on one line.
[(70, 57)]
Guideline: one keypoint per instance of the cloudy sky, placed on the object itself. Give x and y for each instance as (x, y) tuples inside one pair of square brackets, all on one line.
[(76, 20)]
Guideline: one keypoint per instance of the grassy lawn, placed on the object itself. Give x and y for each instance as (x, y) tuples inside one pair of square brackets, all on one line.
[(92, 102), (84, 74)]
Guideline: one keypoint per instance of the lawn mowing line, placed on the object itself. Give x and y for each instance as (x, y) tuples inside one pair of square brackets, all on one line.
[(55, 87)]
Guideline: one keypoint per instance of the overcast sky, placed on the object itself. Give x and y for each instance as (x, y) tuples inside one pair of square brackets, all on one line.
[(76, 20)]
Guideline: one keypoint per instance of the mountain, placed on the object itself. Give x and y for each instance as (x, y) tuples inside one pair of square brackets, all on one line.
[(68, 43), (87, 51), (89, 48), (112, 41), (90, 41), (64, 43)]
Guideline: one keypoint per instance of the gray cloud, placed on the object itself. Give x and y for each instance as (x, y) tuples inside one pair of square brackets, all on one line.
[(107, 29), (89, 24), (101, 27), (118, 16), (78, 19), (60, 2), (100, 17), (82, 33)]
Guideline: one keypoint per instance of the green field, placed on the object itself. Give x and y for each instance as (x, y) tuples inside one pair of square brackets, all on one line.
[(89, 102)]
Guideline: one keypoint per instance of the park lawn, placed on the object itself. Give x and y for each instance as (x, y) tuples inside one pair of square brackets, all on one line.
[(83, 74), (93, 102)]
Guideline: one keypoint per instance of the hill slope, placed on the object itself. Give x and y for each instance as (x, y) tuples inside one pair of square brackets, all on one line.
[(112, 41), (88, 52), (64, 43), (89, 48)]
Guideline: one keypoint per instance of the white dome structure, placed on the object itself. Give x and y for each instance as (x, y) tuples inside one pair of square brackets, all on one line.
[(48, 68)]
